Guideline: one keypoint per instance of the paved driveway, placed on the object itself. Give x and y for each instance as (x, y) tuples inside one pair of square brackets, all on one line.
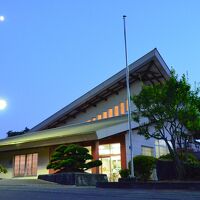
[(41, 190)]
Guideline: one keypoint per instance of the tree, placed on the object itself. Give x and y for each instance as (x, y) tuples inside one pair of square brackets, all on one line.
[(15, 133), (72, 158), (174, 111)]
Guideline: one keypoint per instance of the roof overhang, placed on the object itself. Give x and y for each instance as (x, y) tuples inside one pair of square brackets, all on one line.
[(66, 134), (150, 69)]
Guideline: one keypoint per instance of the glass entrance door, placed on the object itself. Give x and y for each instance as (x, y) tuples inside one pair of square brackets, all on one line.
[(105, 167), (111, 160), (111, 166), (115, 167)]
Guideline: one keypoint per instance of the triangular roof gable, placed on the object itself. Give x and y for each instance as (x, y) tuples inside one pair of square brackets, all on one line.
[(151, 67)]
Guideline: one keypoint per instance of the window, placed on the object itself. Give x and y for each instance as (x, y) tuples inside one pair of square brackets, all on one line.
[(147, 151), (122, 108), (107, 149), (116, 111), (105, 115), (90, 152), (99, 117), (110, 112), (25, 165), (89, 148), (115, 148), (161, 148)]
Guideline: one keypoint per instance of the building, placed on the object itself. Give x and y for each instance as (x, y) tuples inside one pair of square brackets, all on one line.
[(96, 120)]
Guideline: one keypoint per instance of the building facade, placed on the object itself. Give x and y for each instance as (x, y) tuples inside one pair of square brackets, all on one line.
[(96, 120)]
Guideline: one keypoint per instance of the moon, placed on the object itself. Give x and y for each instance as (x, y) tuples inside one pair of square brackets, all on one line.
[(3, 104), (2, 18)]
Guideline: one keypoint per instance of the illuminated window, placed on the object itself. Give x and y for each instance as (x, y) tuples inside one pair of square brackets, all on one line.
[(147, 151), (88, 120), (89, 148), (116, 111), (25, 165), (90, 152), (107, 149), (110, 112), (115, 148), (161, 148), (105, 115), (122, 108), (99, 117), (94, 119), (104, 149)]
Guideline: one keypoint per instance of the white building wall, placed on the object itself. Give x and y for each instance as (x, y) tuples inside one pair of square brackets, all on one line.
[(137, 142)]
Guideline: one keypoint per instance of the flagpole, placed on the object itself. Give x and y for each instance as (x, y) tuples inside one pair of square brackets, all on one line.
[(129, 101)]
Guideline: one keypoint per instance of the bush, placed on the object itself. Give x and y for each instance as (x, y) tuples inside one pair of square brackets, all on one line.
[(143, 166), (124, 173), (192, 171), (166, 157), (72, 158), (189, 161), (185, 157), (3, 169)]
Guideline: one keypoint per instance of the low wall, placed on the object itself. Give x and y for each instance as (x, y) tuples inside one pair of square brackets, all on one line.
[(75, 178), (154, 185)]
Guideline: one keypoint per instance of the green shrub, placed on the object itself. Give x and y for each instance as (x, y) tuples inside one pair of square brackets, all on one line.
[(185, 157), (166, 157), (3, 169), (72, 158), (143, 166), (124, 173)]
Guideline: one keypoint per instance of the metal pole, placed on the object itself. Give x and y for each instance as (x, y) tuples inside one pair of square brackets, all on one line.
[(129, 102)]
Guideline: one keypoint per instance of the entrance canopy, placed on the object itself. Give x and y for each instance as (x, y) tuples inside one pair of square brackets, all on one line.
[(66, 134)]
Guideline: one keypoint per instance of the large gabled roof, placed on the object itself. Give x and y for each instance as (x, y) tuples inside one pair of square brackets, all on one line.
[(150, 68)]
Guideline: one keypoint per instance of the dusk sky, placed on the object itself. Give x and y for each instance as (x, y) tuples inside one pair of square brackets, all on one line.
[(54, 51)]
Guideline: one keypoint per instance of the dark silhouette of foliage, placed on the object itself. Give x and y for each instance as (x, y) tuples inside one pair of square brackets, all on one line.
[(3, 169), (124, 173), (72, 158), (165, 166), (15, 133)]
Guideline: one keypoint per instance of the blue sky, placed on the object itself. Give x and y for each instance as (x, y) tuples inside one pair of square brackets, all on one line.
[(53, 51)]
